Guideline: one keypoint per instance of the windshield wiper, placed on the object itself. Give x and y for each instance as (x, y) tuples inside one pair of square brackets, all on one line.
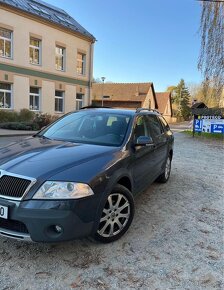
[(41, 136)]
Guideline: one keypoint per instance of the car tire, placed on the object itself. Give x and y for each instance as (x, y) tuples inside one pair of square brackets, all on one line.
[(116, 216), (164, 177)]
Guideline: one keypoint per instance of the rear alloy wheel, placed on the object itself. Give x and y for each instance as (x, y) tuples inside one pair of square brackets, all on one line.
[(117, 215), (163, 178)]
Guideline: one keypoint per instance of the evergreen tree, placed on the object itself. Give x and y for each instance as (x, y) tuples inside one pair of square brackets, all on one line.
[(182, 99)]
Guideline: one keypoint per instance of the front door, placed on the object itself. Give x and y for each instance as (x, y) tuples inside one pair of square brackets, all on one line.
[(143, 158)]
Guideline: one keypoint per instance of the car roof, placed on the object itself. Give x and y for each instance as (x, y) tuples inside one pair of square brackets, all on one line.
[(139, 111)]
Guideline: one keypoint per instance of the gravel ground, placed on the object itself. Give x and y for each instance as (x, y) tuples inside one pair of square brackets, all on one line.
[(175, 241)]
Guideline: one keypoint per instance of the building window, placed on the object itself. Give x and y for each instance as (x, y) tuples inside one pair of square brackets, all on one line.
[(79, 101), (34, 99), (81, 63), (5, 96), (35, 50), (59, 101), (5, 43), (60, 58)]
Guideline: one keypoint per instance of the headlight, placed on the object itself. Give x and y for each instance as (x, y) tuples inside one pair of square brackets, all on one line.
[(63, 190)]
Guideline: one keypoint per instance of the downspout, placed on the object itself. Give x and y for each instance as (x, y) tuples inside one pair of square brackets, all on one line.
[(90, 71)]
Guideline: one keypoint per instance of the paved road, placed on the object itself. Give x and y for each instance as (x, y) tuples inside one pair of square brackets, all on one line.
[(179, 127), (175, 241)]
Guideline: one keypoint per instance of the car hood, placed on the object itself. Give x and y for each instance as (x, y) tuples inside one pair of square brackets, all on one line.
[(43, 158)]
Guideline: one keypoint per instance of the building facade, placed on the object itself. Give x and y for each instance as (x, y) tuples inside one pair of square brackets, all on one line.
[(165, 106), (46, 58), (125, 95), (132, 96)]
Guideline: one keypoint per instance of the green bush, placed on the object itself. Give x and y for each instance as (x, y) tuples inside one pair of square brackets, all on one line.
[(19, 126), (8, 116), (24, 120), (26, 115), (42, 120)]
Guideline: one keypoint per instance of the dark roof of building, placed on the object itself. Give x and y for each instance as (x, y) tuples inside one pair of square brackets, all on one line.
[(208, 111), (49, 13), (199, 105)]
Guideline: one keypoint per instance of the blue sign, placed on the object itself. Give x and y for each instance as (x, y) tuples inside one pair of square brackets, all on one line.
[(217, 128), (198, 125)]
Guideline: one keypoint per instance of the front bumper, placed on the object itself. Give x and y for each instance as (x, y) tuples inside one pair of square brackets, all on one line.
[(39, 220)]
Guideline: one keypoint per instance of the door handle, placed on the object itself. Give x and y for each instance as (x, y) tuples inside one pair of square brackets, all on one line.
[(151, 145)]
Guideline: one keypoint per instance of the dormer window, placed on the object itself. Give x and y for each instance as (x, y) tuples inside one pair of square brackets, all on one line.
[(64, 19), (39, 9)]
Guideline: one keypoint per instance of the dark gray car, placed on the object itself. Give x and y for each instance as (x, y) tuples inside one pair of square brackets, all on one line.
[(79, 176)]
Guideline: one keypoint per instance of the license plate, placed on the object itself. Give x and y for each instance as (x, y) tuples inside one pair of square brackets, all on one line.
[(3, 212)]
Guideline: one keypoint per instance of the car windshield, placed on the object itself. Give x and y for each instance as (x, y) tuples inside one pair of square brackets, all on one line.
[(99, 128)]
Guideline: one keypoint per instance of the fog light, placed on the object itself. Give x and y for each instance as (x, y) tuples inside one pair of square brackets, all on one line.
[(58, 229)]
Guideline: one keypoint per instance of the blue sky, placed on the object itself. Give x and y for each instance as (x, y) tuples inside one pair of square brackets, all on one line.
[(141, 40)]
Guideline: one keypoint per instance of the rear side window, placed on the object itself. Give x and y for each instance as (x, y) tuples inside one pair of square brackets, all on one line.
[(155, 126), (164, 123)]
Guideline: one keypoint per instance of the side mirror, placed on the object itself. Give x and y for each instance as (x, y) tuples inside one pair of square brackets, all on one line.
[(143, 141)]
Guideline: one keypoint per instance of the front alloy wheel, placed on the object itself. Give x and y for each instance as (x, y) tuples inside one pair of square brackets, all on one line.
[(163, 178), (116, 216)]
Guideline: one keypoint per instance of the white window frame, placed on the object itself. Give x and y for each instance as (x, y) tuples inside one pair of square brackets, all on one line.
[(4, 92), (36, 48), (60, 98), (62, 56), (83, 61), (34, 95), (9, 40), (79, 102)]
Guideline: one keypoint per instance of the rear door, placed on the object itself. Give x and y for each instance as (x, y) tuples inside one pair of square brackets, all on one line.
[(160, 139)]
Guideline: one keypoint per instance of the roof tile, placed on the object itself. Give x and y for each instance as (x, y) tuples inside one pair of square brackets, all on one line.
[(121, 91)]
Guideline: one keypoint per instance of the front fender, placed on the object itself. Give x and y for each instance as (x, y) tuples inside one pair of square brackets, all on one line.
[(112, 181)]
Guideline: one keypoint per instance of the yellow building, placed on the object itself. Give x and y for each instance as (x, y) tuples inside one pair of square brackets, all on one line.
[(46, 58)]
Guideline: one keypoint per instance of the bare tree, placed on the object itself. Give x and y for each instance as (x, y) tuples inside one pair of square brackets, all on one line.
[(211, 59)]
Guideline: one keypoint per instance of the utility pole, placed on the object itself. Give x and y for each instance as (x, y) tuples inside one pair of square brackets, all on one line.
[(103, 79)]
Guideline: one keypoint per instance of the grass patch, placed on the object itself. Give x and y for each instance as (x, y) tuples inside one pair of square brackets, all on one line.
[(205, 135)]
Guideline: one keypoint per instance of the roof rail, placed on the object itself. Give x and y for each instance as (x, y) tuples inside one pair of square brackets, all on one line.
[(138, 110), (95, 107)]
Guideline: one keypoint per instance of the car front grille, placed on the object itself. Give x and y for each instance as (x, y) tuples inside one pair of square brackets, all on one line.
[(13, 187), (14, 226)]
